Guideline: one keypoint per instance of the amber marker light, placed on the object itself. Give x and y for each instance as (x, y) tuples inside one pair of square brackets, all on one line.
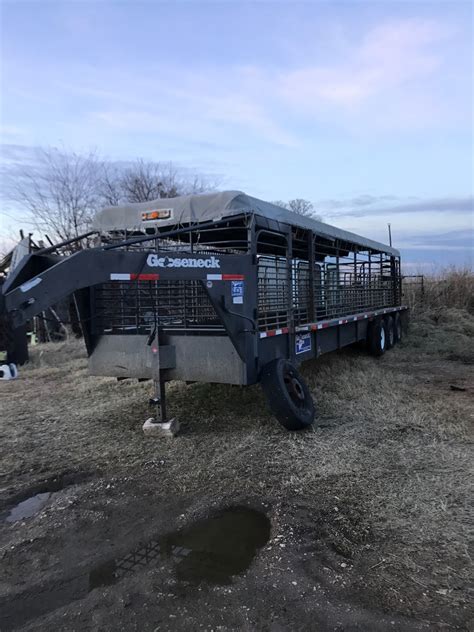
[(151, 215)]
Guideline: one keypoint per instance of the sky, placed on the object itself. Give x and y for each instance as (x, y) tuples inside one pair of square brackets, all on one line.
[(364, 108)]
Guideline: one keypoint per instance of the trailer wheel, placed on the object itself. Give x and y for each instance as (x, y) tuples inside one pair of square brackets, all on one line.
[(288, 395), (398, 327), (377, 337), (390, 331)]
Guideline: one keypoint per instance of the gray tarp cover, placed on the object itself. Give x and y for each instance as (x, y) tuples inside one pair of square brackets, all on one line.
[(214, 206)]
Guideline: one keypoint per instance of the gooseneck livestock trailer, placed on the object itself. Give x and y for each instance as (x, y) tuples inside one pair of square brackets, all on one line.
[(220, 288)]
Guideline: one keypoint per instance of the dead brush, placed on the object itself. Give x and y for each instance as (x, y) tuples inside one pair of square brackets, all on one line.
[(450, 288), (442, 315)]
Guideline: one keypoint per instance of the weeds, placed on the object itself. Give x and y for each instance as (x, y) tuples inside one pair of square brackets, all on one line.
[(452, 288)]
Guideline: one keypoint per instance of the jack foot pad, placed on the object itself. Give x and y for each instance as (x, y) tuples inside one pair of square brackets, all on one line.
[(152, 428)]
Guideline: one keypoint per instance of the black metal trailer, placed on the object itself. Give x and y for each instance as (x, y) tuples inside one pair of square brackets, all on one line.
[(221, 288)]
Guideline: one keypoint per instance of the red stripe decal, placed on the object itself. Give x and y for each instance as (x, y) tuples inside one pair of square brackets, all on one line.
[(144, 277), (232, 277)]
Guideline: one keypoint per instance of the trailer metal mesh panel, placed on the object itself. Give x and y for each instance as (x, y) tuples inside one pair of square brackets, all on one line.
[(301, 278), (342, 282), (272, 293), (137, 306)]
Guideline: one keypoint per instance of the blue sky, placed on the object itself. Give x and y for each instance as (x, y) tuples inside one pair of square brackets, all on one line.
[(365, 108)]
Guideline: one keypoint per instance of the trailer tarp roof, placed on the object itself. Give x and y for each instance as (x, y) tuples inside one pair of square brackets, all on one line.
[(190, 209)]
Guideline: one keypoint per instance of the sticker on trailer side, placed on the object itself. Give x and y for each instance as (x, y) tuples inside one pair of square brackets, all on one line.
[(302, 343), (237, 291)]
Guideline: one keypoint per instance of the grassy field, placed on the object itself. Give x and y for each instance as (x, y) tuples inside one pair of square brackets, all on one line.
[(370, 509)]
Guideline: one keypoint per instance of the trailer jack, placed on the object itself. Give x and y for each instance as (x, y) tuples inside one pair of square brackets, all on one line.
[(159, 426), (159, 399)]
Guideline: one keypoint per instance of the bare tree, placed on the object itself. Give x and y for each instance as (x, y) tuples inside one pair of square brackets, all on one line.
[(143, 181), (148, 181), (110, 184), (299, 206), (60, 192)]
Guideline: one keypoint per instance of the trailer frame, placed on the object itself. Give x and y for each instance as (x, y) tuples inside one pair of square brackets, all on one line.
[(215, 300)]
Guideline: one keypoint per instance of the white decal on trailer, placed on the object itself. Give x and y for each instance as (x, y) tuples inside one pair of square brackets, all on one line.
[(155, 261), (29, 285)]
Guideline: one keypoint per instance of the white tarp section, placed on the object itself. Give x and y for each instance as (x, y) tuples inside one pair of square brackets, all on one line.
[(191, 209)]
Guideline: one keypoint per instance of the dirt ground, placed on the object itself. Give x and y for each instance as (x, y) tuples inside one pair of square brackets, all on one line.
[(368, 510)]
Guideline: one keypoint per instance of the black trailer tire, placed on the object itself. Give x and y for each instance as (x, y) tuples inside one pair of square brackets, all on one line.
[(398, 327), (390, 331), (288, 395), (377, 337)]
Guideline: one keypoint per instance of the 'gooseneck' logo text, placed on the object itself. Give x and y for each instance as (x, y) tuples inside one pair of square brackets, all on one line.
[(155, 261)]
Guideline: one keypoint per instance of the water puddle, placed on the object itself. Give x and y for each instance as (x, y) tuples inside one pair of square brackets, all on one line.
[(212, 550), (30, 502), (28, 508)]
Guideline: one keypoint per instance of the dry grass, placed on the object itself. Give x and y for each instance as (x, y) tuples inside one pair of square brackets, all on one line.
[(451, 288), (383, 478), (442, 316)]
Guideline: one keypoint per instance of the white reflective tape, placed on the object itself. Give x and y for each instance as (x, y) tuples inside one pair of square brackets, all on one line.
[(263, 334), (29, 285), (214, 277), (115, 276), (278, 332)]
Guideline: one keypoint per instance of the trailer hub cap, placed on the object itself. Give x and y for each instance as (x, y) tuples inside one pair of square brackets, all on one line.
[(294, 388)]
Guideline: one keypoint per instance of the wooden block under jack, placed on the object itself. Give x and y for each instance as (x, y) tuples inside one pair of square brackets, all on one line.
[(157, 429)]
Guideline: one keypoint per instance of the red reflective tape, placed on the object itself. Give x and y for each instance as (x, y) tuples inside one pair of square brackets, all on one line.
[(144, 277), (232, 277), (274, 332)]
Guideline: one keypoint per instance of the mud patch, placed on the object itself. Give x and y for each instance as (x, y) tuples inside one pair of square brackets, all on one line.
[(212, 550)]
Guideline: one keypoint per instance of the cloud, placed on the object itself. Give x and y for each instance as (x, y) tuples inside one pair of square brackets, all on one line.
[(11, 153), (360, 200), (452, 240), (207, 118), (389, 55), (378, 81), (12, 133), (224, 100), (462, 205)]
